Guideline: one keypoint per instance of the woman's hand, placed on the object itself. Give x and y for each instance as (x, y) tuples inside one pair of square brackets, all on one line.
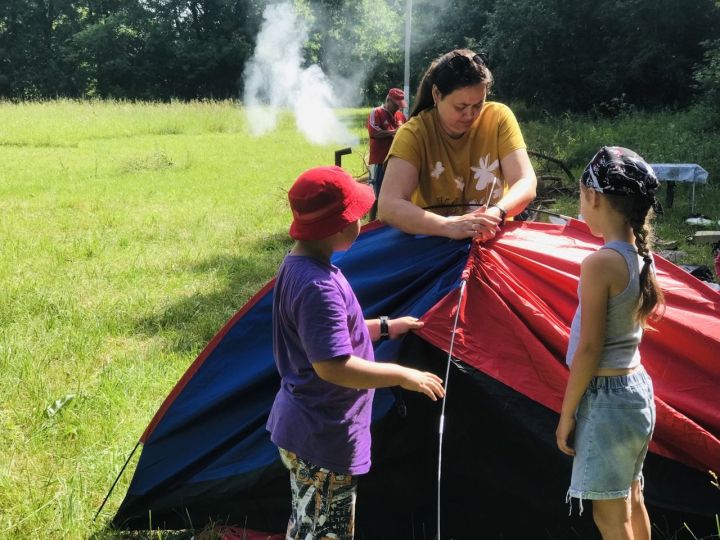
[(402, 325), (481, 224), (566, 427)]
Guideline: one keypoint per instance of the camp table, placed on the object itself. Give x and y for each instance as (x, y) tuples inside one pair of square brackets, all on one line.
[(680, 172)]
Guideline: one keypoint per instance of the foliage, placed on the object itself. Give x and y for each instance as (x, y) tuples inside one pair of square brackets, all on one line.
[(606, 55), (359, 42), (707, 77), (576, 55), (440, 26), (155, 49)]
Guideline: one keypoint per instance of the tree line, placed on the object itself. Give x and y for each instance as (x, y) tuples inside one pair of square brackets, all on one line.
[(552, 54)]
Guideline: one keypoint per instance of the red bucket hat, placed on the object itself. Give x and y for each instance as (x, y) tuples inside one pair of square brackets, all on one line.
[(324, 201), (398, 97)]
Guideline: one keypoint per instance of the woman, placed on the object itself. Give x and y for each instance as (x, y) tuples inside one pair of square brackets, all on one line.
[(458, 167)]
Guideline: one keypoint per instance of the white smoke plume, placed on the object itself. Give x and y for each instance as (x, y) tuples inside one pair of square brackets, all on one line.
[(275, 79)]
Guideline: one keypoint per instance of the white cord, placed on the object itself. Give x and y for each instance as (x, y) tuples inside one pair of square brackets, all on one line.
[(441, 428), (490, 194)]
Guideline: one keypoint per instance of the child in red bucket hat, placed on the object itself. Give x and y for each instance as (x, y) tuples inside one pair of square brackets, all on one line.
[(320, 419)]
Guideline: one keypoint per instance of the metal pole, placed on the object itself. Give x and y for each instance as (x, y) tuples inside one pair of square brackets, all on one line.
[(408, 30), (441, 428)]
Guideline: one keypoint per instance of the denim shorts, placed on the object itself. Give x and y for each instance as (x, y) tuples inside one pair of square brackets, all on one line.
[(615, 421)]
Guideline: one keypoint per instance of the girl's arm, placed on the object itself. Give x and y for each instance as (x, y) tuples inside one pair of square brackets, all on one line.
[(594, 293), (354, 372)]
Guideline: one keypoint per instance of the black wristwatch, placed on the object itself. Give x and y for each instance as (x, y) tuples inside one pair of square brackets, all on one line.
[(384, 327), (503, 212)]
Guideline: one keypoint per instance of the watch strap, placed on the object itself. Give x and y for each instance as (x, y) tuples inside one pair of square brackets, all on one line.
[(503, 212), (384, 327)]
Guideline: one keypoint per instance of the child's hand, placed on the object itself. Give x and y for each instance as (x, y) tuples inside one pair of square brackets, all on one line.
[(402, 325), (565, 428), (424, 382)]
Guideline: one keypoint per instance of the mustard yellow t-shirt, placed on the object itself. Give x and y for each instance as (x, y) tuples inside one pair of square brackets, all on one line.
[(458, 171)]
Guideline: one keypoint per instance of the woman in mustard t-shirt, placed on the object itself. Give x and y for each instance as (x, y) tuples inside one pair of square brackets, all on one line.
[(456, 154)]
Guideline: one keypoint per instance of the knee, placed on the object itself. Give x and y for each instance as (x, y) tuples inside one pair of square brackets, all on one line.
[(611, 517)]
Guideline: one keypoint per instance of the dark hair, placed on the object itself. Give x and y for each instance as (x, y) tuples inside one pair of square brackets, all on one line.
[(453, 70), (639, 213)]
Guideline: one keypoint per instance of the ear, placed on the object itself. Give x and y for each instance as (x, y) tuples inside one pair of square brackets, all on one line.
[(436, 95), (594, 197)]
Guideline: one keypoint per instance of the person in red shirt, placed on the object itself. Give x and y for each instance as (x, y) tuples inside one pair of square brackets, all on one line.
[(382, 124)]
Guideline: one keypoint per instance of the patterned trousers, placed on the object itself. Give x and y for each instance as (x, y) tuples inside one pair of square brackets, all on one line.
[(323, 502)]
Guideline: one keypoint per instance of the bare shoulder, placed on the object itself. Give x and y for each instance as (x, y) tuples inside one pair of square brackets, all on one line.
[(607, 267)]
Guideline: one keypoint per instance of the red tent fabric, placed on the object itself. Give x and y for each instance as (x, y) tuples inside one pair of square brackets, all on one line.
[(514, 326)]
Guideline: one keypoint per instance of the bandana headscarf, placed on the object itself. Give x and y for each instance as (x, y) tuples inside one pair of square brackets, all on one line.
[(619, 171)]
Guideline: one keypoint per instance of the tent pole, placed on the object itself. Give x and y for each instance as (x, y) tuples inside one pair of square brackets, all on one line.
[(441, 429), (116, 481), (408, 30)]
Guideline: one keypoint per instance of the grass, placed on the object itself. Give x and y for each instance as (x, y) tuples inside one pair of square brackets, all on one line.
[(130, 234), (690, 136)]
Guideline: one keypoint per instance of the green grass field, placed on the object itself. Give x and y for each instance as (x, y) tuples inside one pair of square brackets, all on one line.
[(130, 233)]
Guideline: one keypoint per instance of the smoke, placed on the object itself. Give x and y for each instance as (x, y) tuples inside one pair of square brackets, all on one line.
[(275, 79)]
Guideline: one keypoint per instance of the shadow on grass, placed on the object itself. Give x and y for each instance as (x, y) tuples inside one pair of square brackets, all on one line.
[(190, 322), (114, 534)]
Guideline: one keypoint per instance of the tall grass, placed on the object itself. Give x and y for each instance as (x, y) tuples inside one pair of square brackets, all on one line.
[(129, 234), (690, 136)]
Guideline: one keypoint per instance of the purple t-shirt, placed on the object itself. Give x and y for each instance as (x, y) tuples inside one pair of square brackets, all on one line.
[(316, 317)]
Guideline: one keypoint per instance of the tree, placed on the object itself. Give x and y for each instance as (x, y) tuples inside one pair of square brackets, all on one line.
[(577, 55), (359, 42), (550, 53), (439, 27)]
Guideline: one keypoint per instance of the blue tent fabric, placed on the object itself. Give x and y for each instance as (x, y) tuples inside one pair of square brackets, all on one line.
[(213, 430)]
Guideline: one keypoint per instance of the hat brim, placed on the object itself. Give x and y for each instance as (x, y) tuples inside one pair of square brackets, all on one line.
[(356, 205), (400, 103)]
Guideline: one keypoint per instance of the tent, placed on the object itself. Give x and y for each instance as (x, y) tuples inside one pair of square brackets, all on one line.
[(207, 458)]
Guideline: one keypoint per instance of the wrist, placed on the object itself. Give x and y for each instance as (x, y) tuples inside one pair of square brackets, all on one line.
[(567, 412), (501, 210)]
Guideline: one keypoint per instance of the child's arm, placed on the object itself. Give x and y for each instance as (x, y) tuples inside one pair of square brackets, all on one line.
[(594, 291), (396, 327), (354, 372)]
